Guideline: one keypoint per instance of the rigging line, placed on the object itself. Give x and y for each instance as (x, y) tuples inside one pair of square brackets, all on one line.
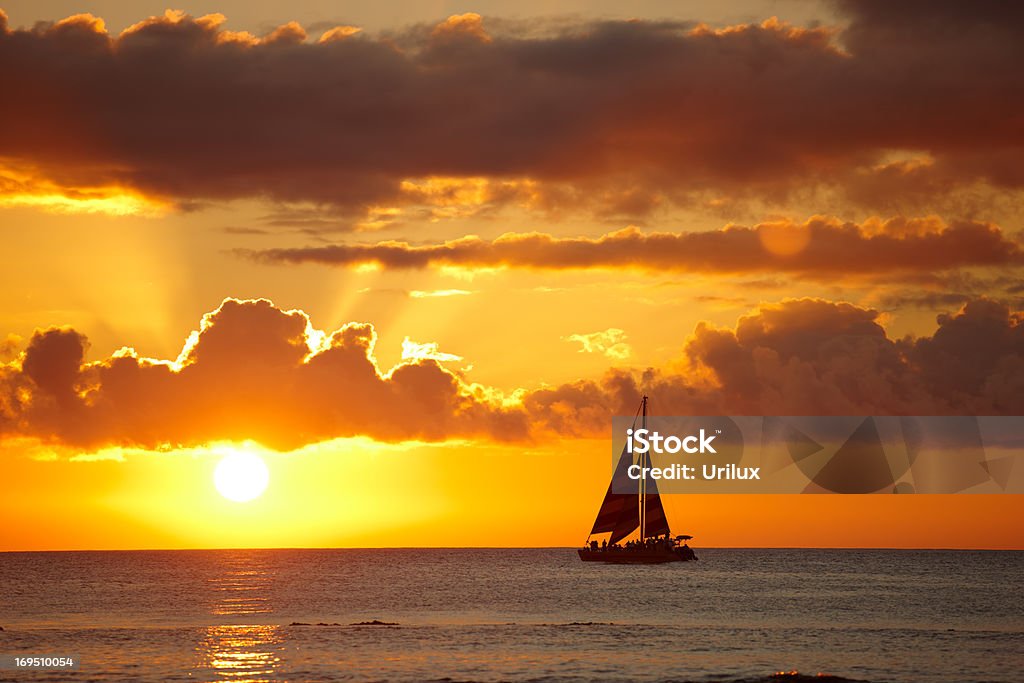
[(637, 413)]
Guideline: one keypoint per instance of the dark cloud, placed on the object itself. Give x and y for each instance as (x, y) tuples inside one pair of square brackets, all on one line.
[(975, 358), (180, 108), (254, 371), (925, 300), (814, 357), (949, 290), (820, 247)]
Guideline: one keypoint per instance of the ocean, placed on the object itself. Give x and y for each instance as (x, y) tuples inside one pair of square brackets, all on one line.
[(515, 615)]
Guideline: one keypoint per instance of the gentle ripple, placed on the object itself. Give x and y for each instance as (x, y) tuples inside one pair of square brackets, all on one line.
[(516, 615)]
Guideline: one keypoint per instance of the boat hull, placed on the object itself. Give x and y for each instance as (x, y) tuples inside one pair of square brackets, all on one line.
[(632, 556)]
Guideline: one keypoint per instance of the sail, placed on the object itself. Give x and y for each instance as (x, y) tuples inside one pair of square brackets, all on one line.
[(655, 522), (620, 511)]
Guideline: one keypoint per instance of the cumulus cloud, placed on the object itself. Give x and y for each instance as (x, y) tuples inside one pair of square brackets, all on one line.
[(254, 371), (624, 112), (821, 247), (611, 343), (9, 346), (429, 351), (816, 357)]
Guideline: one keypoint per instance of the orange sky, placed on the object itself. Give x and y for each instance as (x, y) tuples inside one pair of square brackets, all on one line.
[(417, 267), (358, 495)]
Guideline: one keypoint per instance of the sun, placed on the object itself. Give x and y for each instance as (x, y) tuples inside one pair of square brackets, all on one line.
[(241, 476)]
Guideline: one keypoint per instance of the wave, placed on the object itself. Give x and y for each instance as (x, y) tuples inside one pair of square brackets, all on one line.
[(777, 677)]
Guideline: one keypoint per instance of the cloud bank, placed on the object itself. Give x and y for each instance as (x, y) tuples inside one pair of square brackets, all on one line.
[(910, 102), (816, 357), (820, 247), (254, 371)]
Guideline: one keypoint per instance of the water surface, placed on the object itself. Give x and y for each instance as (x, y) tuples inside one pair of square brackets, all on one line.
[(515, 615)]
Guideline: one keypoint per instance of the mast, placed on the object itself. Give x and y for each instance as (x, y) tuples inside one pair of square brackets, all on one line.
[(620, 512), (643, 480)]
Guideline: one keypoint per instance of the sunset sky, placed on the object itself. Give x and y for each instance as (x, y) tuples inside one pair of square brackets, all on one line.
[(416, 255)]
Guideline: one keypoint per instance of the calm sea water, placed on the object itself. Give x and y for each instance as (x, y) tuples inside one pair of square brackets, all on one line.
[(515, 615)]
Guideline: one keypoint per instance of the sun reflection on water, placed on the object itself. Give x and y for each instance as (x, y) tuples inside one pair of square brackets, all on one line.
[(243, 653), (241, 588)]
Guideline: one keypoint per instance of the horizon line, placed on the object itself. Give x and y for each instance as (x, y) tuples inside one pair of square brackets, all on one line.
[(551, 547)]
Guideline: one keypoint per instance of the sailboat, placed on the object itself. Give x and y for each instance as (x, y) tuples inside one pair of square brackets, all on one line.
[(634, 505)]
